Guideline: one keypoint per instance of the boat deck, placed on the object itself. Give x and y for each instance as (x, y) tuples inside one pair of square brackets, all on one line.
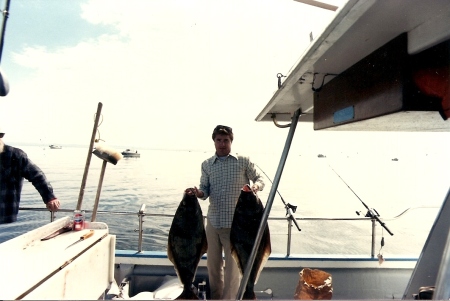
[(353, 278)]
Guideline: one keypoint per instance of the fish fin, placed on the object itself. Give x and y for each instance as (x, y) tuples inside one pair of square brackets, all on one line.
[(261, 267), (267, 251), (236, 258), (170, 254), (172, 259), (205, 244)]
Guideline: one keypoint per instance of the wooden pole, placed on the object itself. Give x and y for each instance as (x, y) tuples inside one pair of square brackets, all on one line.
[(88, 160), (99, 189)]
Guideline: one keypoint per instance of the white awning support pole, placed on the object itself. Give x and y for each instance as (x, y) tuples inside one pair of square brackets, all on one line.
[(268, 206)]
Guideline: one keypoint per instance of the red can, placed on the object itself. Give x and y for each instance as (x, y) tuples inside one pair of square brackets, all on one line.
[(78, 220)]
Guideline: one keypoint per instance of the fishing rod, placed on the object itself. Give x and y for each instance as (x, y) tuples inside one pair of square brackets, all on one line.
[(290, 209), (372, 213)]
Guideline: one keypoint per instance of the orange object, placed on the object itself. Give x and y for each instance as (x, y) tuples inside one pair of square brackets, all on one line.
[(435, 82), (85, 236), (314, 285)]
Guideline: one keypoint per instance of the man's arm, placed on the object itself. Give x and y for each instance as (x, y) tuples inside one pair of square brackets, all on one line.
[(255, 176), (36, 176), (203, 191)]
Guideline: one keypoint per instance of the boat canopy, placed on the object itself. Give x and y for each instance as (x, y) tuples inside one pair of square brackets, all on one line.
[(382, 66), (370, 65)]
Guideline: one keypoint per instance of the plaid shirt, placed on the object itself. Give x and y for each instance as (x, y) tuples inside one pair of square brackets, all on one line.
[(222, 181), (14, 167)]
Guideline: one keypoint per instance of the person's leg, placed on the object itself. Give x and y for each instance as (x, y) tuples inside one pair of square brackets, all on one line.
[(214, 262), (231, 275)]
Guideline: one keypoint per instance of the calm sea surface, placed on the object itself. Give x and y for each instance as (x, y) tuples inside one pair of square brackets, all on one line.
[(315, 185)]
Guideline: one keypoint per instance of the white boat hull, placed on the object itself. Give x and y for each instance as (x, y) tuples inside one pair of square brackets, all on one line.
[(353, 277)]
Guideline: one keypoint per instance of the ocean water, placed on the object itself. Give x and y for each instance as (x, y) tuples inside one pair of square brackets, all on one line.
[(332, 187)]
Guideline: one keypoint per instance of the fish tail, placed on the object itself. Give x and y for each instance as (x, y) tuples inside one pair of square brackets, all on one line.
[(249, 295), (188, 294)]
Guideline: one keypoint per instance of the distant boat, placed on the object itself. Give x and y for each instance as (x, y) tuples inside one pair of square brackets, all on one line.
[(131, 153), (55, 146), (321, 156)]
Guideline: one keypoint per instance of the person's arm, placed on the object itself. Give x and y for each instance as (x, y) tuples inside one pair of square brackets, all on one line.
[(36, 176), (204, 186), (255, 176), (203, 191)]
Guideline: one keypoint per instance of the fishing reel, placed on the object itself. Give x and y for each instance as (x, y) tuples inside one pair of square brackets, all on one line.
[(370, 213), (290, 210), (292, 207)]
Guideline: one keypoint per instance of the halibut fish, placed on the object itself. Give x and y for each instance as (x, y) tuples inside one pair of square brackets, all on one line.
[(187, 242), (244, 229)]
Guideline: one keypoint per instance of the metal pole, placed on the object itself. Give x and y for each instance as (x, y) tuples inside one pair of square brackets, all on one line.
[(270, 199), (5, 18), (141, 227), (288, 251), (373, 238)]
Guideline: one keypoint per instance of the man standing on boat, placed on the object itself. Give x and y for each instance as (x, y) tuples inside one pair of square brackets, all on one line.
[(223, 176), (14, 167)]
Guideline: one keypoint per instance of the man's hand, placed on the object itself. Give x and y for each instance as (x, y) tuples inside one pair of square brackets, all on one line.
[(198, 193), (53, 205)]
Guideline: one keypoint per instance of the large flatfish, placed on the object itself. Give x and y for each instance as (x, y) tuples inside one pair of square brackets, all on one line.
[(244, 229), (187, 242)]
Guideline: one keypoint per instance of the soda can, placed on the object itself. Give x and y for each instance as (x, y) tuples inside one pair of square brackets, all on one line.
[(78, 220)]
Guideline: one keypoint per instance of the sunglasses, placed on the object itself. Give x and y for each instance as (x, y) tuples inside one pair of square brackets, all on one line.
[(223, 127)]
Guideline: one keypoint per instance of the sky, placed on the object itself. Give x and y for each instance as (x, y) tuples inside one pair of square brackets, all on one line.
[(167, 72)]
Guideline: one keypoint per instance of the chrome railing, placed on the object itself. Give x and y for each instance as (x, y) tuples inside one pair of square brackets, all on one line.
[(141, 214)]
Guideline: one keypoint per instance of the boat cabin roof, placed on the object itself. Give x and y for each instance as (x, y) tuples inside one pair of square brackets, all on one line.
[(359, 28)]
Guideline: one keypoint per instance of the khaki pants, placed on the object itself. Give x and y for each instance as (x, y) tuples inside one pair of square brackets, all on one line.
[(223, 280)]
